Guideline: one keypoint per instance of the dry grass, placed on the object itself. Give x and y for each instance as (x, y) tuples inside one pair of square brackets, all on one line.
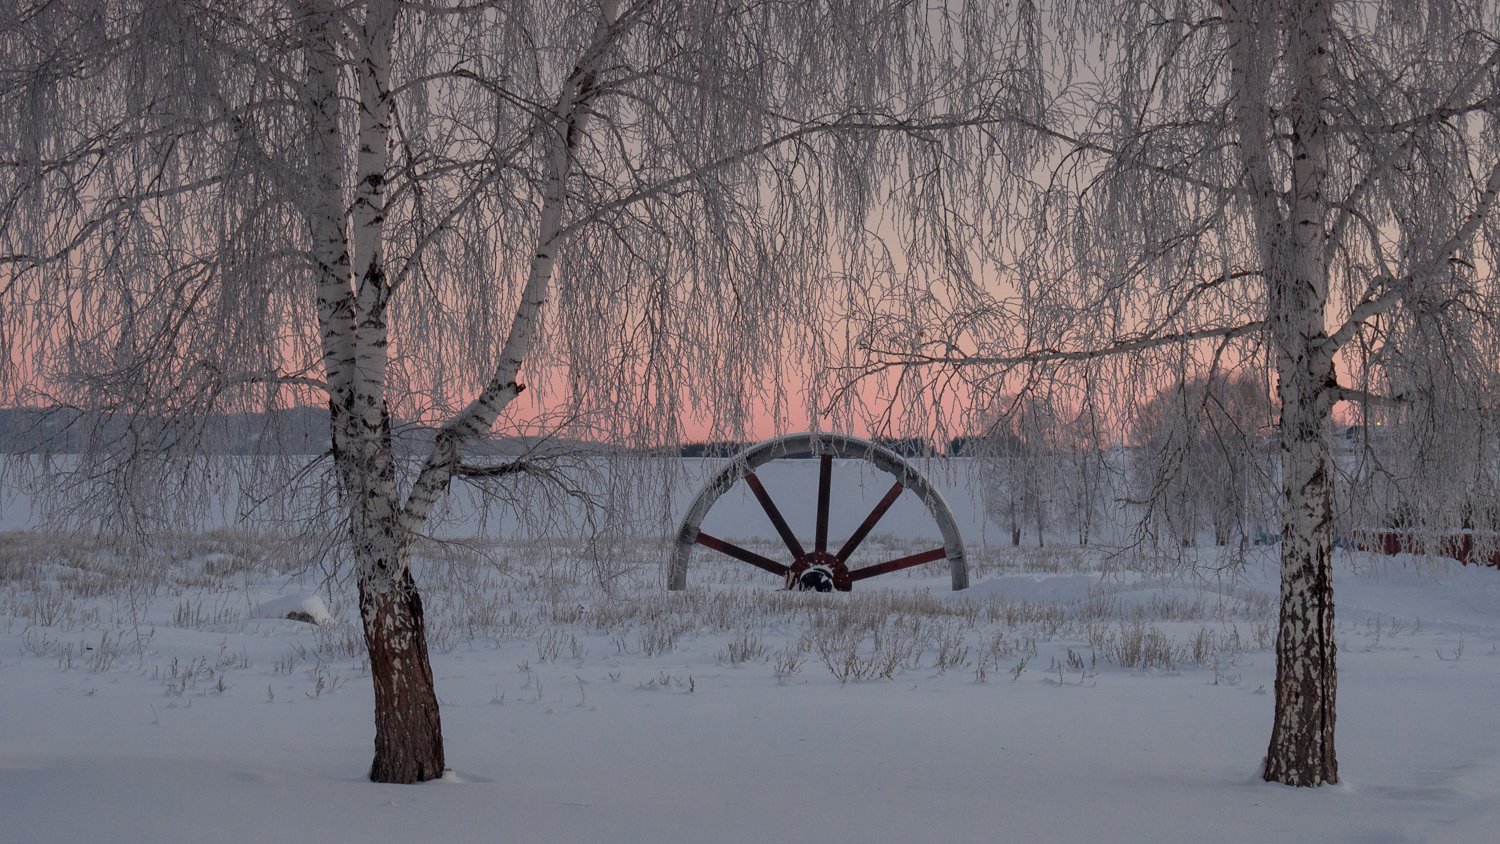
[(92, 606)]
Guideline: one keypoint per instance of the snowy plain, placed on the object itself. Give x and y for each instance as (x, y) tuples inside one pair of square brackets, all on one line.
[(1069, 695)]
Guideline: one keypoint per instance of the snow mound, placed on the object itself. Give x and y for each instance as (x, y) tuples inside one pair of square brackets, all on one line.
[(308, 608)]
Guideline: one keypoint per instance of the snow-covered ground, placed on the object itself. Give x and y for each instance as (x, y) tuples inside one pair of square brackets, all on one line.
[(1066, 697)]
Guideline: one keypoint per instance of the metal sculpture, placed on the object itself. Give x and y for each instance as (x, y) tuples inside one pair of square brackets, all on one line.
[(817, 569)]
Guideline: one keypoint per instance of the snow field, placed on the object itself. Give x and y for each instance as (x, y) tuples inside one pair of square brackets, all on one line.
[(146, 699)]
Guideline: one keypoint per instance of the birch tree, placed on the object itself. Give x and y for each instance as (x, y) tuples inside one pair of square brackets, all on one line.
[(413, 211), (1198, 458), (1302, 185), (1022, 465)]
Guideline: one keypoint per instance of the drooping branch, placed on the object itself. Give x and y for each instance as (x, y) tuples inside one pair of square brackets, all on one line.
[(1450, 107), (904, 359), (871, 123)]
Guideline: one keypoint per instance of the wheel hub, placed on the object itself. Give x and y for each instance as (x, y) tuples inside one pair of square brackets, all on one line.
[(819, 572)]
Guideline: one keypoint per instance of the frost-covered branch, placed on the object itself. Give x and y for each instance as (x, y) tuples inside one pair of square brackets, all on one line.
[(1046, 356)]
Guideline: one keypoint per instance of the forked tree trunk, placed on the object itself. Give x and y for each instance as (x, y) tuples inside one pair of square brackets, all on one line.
[(408, 729), (408, 738)]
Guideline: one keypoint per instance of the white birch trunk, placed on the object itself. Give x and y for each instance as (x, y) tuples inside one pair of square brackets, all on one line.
[(324, 204), (1302, 750), (366, 452)]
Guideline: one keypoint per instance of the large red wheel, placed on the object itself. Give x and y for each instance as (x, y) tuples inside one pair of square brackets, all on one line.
[(819, 567)]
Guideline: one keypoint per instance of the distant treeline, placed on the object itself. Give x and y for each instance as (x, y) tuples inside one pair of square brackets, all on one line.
[(62, 430), (299, 430), (305, 430)]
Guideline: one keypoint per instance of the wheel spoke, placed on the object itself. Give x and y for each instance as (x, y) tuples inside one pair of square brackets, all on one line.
[(744, 554), (769, 506), (869, 523), (898, 564), (825, 474)]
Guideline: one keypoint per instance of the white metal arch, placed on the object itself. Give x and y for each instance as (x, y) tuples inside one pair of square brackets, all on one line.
[(826, 446)]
